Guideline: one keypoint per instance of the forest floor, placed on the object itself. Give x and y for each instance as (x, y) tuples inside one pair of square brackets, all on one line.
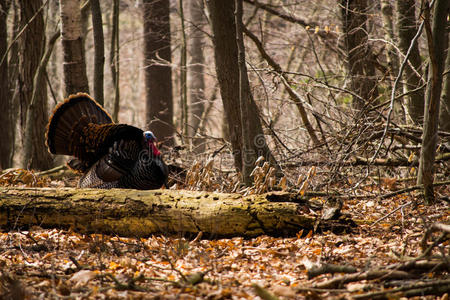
[(383, 253)]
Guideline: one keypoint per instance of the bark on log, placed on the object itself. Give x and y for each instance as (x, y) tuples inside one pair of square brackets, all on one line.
[(142, 213)]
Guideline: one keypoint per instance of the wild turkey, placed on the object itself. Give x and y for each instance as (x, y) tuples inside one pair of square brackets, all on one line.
[(110, 155)]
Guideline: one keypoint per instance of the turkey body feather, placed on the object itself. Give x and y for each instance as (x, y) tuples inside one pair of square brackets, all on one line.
[(109, 155)]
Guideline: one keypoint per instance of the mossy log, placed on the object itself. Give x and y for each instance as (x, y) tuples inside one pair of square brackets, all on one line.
[(142, 213)]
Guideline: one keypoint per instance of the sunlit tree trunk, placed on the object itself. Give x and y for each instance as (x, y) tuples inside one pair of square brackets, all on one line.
[(158, 76), (407, 29), (196, 82), (436, 48), (183, 73), (99, 50), (114, 59), (7, 143), (359, 54), (13, 74), (55, 64), (32, 46), (75, 78)]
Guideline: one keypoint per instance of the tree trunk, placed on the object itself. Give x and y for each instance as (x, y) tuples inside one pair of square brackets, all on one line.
[(225, 53), (436, 45), (14, 82), (245, 97), (32, 46), (359, 53), (184, 124), (142, 213), (228, 75), (196, 81), (388, 26), (99, 50), (13, 63), (6, 111), (114, 60), (444, 112), (158, 77), (75, 78), (55, 63), (407, 28), (85, 10), (38, 79)]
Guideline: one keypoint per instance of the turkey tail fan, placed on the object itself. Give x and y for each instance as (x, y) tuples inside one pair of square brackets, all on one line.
[(109, 155), (69, 118)]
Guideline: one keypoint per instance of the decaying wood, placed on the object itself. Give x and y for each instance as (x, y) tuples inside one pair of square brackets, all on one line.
[(331, 269), (142, 213), (407, 275), (437, 287), (338, 282)]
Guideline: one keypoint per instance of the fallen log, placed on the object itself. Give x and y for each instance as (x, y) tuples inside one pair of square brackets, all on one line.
[(142, 213)]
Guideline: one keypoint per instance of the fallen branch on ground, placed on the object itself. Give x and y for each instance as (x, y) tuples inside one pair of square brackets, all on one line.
[(338, 282), (330, 269), (142, 213), (437, 287), (398, 276)]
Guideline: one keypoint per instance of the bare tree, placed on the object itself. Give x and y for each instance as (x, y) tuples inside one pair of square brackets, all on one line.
[(99, 50), (34, 105), (225, 53), (244, 124), (114, 59), (387, 11), (358, 51), (184, 123), (444, 112), (407, 28), (7, 144), (196, 81), (158, 74), (75, 78), (32, 45), (436, 37)]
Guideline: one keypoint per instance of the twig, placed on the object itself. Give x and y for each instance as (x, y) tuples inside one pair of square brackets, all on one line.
[(396, 82), (421, 265), (183, 277), (310, 289), (365, 275), (22, 31), (51, 171), (429, 288), (331, 269), (412, 188), (130, 284), (435, 227), (293, 94), (263, 293), (76, 263), (197, 238), (280, 15), (387, 215)]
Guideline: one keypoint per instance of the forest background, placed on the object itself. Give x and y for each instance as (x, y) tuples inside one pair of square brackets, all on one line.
[(323, 85), (347, 98)]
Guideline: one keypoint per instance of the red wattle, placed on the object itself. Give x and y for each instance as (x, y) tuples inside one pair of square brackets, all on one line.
[(155, 150)]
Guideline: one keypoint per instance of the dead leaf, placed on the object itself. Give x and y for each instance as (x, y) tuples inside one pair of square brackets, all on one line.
[(82, 277), (284, 291)]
